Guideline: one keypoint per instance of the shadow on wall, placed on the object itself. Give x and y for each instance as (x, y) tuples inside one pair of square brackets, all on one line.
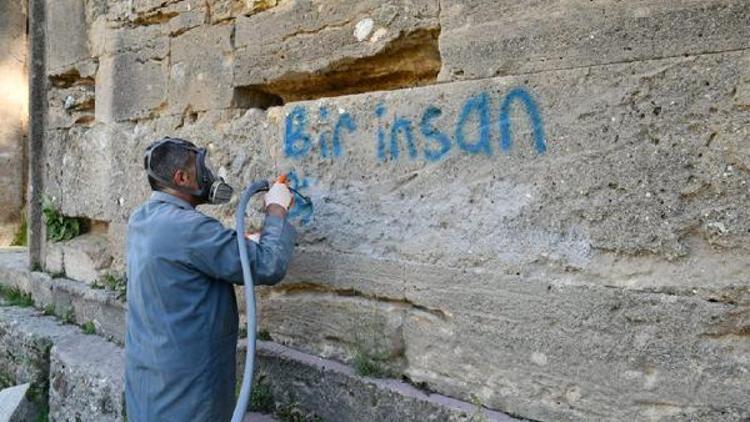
[(13, 119)]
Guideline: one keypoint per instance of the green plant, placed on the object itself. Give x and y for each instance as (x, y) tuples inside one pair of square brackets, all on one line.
[(264, 335), (88, 328), (49, 310), (36, 394), (59, 226), (368, 365), (43, 414), (113, 282), (69, 317), (261, 398), (15, 297), (6, 380), (21, 236)]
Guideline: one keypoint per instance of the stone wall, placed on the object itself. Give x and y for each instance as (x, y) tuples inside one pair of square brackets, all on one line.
[(13, 100), (542, 205)]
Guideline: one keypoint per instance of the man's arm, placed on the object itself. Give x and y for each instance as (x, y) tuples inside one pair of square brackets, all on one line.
[(214, 250)]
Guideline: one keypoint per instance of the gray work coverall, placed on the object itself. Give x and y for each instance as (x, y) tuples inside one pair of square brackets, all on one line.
[(182, 323)]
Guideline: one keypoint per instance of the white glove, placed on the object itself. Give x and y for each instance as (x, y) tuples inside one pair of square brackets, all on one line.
[(255, 237), (279, 194)]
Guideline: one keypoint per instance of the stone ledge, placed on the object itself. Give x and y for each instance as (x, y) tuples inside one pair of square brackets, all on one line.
[(66, 368), (83, 369), (335, 393), (72, 300)]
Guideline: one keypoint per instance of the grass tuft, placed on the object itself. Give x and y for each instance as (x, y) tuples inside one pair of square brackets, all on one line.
[(88, 328), (261, 398), (15, 297), (367, 365)]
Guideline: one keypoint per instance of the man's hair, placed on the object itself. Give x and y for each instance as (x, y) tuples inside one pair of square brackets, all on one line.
[(166, 160)]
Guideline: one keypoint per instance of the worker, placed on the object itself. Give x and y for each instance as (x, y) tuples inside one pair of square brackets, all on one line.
[(182, 324)]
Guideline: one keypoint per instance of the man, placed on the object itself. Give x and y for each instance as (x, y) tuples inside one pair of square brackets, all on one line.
[(182, 315)]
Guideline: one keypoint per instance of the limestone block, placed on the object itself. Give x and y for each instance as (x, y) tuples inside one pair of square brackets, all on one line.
[(86, 380), (56, 142), (334, 325), (201, 78), (14, 407), (286, 47), (71, 106), (332, 391), (547, 349), (148, 41), (86, 256), (485, 38), (67, 37), (130, 86), (116, 244), (53, 257), (509, 171), (25, 342)]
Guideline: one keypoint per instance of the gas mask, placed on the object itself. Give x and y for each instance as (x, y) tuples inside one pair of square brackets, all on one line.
[(211, 189)]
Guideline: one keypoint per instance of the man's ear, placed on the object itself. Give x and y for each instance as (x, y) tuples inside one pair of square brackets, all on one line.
[(181, 178)]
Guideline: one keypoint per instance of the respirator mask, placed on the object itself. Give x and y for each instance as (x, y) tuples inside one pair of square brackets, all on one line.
[(211, 189)]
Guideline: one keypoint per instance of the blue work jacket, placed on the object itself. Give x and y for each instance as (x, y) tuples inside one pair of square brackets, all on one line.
[(182, 324)]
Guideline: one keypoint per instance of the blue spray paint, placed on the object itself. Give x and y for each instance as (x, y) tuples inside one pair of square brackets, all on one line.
[(432, 133), (345, 122), (480, 104), (301, 210), (323, 138), (402, 126), (296, 142), (472, 130), (534, 115), (380, 112)]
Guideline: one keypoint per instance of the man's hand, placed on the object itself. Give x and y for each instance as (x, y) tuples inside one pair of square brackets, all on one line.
[(254, 236), (276, 210), (278, 199)]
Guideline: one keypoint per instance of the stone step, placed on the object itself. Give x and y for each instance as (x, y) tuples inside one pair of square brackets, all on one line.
[(73, 375), (83, 374)]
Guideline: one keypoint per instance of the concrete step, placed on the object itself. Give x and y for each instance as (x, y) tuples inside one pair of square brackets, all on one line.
[(83, 374)]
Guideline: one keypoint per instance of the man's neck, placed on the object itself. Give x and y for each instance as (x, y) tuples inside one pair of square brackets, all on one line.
[(190, 199)]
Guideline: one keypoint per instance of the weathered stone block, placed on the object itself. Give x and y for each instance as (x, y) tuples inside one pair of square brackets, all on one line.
[(558, 350), (86, 380), (550, 168), (201, 78), (339, 325), (305, 49), (67, 37), (333, 392), (86, 257), (53, 257), (486, 38), (93, 173), (71, 106), (129, 86)]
